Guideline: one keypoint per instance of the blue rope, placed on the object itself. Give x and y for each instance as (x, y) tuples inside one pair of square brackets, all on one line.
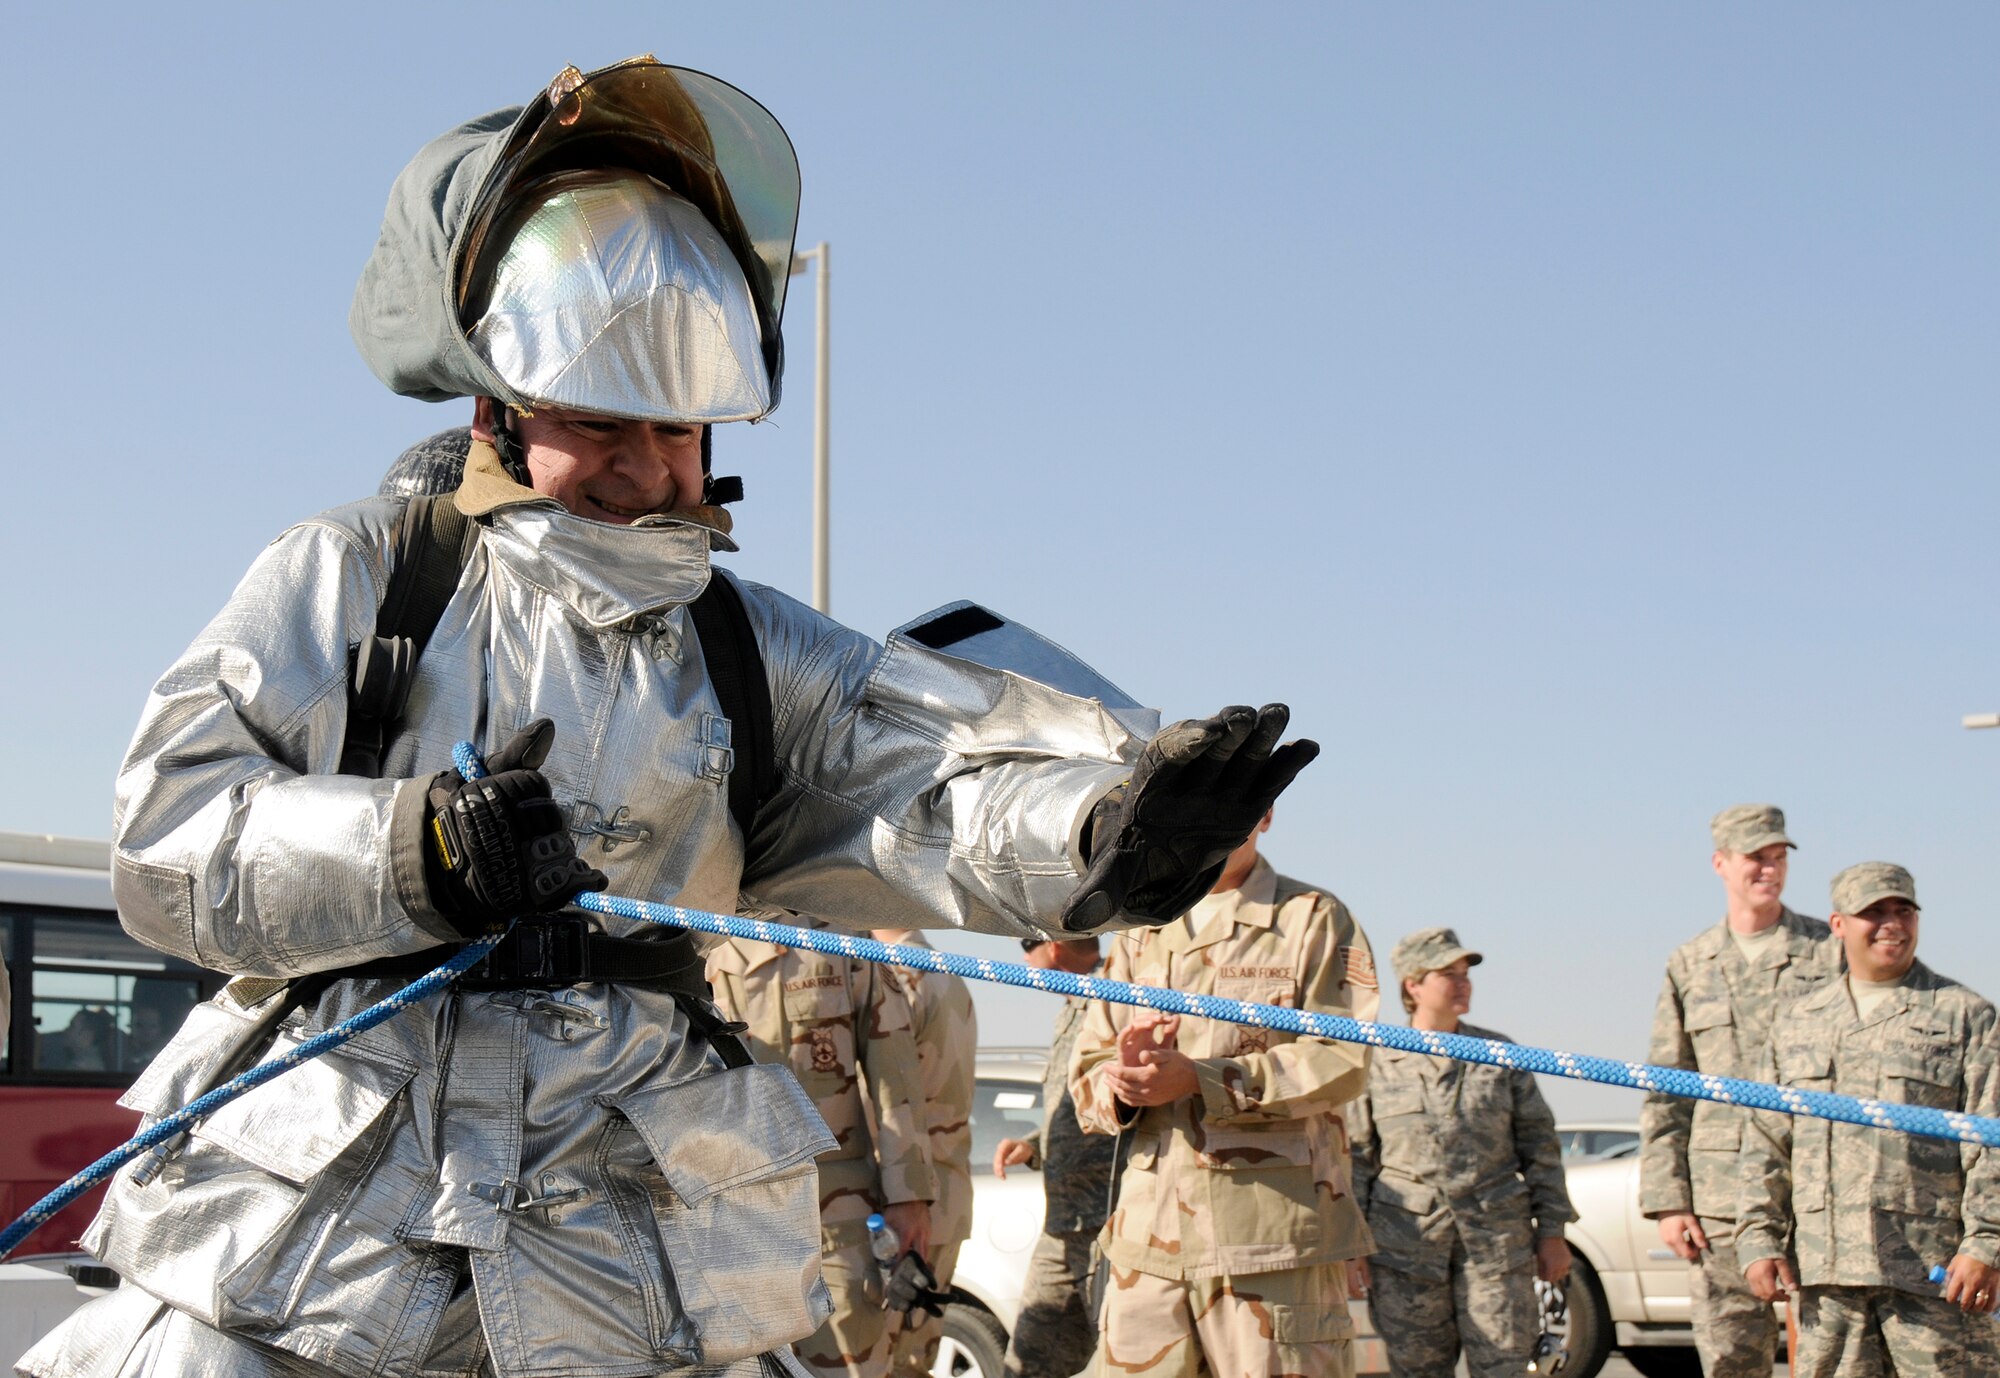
[(1672, 1081)]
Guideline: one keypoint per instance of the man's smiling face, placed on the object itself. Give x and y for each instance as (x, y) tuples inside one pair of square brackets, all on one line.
[(1881, 941), (605, 468)]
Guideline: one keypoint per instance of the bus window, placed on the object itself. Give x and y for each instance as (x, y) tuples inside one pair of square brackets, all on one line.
[(6, 992), (101, 1002)]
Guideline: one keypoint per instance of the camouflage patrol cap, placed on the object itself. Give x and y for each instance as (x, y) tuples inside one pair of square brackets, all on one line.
[(1860, 886), (1429, 949), (1746, 828)]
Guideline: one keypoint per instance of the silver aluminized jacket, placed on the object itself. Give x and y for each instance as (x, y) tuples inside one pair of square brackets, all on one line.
[(625, 1207)]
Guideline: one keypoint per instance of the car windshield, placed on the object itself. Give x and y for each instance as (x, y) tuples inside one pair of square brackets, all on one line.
[(1596, 1145), (1002, 1109)]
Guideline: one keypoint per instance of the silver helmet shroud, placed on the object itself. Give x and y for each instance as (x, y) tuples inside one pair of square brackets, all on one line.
[(614, 296), (620, 245)]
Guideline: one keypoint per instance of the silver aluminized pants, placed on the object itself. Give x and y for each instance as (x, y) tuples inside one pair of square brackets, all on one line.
[(129, 1335)]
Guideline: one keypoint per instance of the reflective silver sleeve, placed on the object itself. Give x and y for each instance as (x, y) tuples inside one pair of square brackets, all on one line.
[(236, 844), (919, 788)]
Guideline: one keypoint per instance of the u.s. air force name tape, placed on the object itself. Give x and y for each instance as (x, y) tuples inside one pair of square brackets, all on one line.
[(1672, 1081)]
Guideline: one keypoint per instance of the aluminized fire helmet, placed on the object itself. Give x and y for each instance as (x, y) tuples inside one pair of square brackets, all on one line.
[(613, 295), (620, 245)]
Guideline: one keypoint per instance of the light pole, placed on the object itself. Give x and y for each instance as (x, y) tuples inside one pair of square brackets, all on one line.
[(822, 471)]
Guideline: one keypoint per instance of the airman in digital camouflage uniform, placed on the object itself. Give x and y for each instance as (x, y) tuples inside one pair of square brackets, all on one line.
[(1869, 1212), (843, 1025), (1714, 1015), (1055, 1327), (947, 1034), (1458, 1168), (1235, 1216)]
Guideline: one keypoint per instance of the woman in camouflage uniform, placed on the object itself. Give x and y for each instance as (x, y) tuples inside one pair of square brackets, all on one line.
[(1459, 1172)]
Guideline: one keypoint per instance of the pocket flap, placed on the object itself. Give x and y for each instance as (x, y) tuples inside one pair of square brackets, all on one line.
[(1285, 1143), (819, 996), (1918, 1059), (1805, 1061), (1258, 990), (1707, 1014), (211, 1036), (1396, 1098), (1418, 1198), (1307, 1325), (737, 1126), (295, 1125), (1727, 1136)]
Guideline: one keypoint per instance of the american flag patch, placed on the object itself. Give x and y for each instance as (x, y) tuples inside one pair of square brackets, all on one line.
[(1359, 966)]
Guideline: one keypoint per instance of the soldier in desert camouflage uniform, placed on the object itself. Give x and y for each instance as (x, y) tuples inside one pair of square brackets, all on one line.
[(1869, 1212), (1055, 1327), (947, 1034), (843, 1025), (1714, 1015), (1234, 1221), (1459, 1171)]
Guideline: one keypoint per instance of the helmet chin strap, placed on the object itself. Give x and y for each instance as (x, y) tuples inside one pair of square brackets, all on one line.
[(716, 492), (507, 443)]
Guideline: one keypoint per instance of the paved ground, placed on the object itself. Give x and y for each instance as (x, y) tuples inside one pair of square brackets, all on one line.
[(1616, 1367)]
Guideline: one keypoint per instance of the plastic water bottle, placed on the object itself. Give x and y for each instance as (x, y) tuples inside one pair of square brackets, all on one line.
[(1937, 1273), (883, 1244)]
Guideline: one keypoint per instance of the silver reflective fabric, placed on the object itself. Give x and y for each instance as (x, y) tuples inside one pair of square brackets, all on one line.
[(616, 297), (129, 1335), (560, 1178)]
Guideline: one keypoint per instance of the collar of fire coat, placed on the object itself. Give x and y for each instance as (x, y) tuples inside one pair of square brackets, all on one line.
[(607, 574)]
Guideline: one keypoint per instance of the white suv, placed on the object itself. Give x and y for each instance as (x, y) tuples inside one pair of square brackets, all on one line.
[(1627, 1290)]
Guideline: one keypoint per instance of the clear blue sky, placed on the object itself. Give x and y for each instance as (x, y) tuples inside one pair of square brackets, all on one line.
[(1582, 415)]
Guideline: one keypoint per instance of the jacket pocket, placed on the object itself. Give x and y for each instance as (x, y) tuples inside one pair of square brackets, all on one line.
[(231, 1228), (1921, 1071), (1417, 1198), (1395, 1098), (738, 1218), (1236, 1148), (1244, 1040), (1914, 1174), (1715, 1137), (1308, 1326), (1806, 1065), (820, 1014), (1711, 1027)]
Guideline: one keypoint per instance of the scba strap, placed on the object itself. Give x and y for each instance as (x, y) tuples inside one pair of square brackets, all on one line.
[(433, 540)]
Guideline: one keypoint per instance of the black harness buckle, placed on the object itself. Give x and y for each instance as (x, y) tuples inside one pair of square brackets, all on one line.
[(551, 951)]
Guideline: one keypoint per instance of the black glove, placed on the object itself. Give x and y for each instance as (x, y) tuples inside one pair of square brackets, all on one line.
[(499, 846), (1156, 844), (912, 1287)]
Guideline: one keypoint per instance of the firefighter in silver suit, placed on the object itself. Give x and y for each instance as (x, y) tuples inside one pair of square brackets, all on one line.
[(560, 1167)]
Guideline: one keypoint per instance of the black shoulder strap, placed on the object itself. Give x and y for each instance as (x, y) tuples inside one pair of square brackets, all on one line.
[(432, 542), (736, 669)]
